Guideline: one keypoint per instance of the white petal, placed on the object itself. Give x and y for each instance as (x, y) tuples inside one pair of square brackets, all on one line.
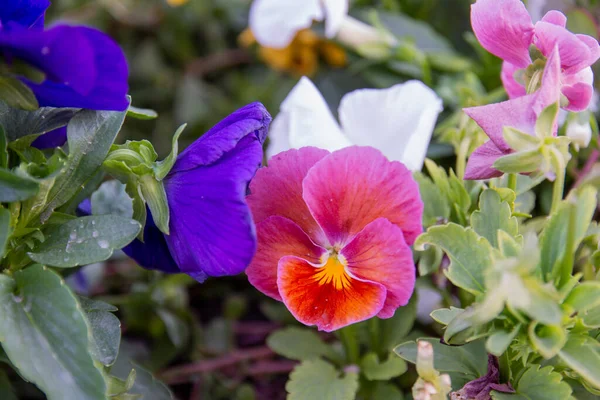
[(275, 22), (336, 11), (398, 121), (278, 136), (306, 119)]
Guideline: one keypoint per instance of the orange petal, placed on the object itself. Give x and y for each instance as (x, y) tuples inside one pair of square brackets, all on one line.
[(278, 237), (327, 296)]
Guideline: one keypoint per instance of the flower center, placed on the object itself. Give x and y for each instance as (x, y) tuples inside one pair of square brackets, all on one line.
[(333, 272)]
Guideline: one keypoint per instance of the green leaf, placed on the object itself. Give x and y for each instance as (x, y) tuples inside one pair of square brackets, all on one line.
[(583, 297), (386, 391), (493, 215), (112, 198), (156, 199), (592, 318), (520, 162), (5, 230), (21, 123), (375, 370), (582, 354), (436, 207), (162, 168), (538, 384), (469, 360), (393, 330), (17, 94), (90, 135), (105, 329), (84, 240), (519, 140), (445, 315), (118, 386), (3, 148), (6, 390), (299, 344), (554, 237), (547, 339), (498, 342), (317, 379), (546, 121), (470, 254), (141, 113), (16, 187), (45, 335)]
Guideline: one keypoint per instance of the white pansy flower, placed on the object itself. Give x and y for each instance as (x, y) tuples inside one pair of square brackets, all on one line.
[(398, 121), (274, 23)]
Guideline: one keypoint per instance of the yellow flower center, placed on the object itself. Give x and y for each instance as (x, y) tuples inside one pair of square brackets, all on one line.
[(333, 272)]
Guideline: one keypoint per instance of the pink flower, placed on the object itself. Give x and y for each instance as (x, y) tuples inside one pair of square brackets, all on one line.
[(334, 231), (504, 28), (520, 113)]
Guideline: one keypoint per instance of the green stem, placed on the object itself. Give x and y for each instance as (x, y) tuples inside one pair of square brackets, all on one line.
[(349, 341), (512, 182), (559, 186), (374, 334), (461, 158), (566, 266)]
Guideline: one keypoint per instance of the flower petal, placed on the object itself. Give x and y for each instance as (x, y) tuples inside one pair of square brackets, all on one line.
[(579, 96), (593, 45), (306, 119), (397, 121), (277, 190), (354, 186), (27, 13), (278, 237), (555, 17), (575, 54), (84, 67), (512, 87), (52, 139), (336, 11), (252, 119), (379, 254), (504, 28), (313, 302), (275, 23), (211, 229), (481, 161)]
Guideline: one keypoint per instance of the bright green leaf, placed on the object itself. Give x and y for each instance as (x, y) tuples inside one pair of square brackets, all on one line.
[(317, 379), (538, 384), (470, 254), (584, 296), (493, 215), (547, 339), (544, 126), (299, 344), (5, 230), (375, 370), (519, 162), (16, 187), (45, 335), (498, 342), (436, 207), (141, 113), (84, 240), (582, 354), (445, 315)]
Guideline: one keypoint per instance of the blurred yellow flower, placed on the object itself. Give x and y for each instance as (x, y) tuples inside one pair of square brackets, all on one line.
[(301, 56), (176, 3)]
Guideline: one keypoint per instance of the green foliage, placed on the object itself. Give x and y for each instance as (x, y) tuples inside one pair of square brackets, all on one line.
[(493, 215), (16, 186), (17, 94), (105, 328), (376, 370), (299, 344), (314, 379), (21, 123), (538, 384), (582, 354)]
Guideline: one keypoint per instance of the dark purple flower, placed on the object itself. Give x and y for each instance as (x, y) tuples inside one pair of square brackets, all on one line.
[(480, 388), (211, 228), (83, 67)]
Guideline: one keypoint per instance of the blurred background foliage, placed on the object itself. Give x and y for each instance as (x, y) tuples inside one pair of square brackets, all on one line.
[(196, 63)]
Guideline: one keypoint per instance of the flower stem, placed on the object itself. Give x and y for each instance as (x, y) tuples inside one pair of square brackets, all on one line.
[(374, 334), (349, 341), (559, 186), (512, 182), (461, 158)]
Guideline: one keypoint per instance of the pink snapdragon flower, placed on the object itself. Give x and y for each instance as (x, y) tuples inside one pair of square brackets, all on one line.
[(504, 28), (520, 113), (334, 231)]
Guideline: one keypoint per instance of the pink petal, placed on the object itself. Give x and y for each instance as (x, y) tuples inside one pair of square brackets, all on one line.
[(512, 87), (354, 186), (379, 254), (575, 54), (277, 190), (551, 84), (481, 160), (278, 237), (579, 96), (593, 45), (504, 28), (556, 18)]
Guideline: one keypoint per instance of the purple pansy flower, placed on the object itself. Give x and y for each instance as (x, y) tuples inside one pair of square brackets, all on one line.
[(211, 228), (84, 67)]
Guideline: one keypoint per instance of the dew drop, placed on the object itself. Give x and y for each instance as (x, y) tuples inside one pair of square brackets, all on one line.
[(93, 222), (66, 259), (73, 235), (103, 244)]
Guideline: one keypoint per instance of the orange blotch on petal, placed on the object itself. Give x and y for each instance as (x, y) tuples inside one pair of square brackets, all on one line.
[(327, 296)]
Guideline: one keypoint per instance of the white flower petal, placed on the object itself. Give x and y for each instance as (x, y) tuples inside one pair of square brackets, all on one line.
[(336, 11), (306, 118), (275, 22), (398, 121), (278, 135)]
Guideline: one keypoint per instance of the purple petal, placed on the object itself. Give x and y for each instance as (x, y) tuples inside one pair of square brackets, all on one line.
[(556, 18), (480, 388), (52, 139), (223, 137), (27, 13), (212, 232), (512, 87), (84, 67), (575, 54), (481, 161), (504, 28)]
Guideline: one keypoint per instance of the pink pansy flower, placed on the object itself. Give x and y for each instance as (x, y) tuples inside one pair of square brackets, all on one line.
[(520, 113), (334, 231), (504, 28)]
